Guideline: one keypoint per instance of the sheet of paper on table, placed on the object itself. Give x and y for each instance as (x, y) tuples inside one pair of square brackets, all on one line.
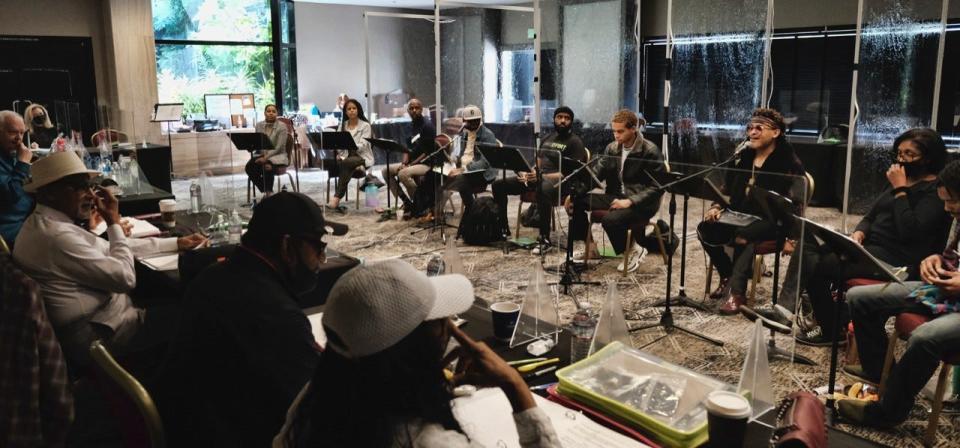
[(317, 329), (141, 228), (487, 418), (164, 262)]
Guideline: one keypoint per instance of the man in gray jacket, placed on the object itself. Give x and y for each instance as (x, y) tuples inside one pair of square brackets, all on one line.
[(469, 159), (630, 195)]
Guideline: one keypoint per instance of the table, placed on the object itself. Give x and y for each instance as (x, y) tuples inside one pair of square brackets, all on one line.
[(142, 204)]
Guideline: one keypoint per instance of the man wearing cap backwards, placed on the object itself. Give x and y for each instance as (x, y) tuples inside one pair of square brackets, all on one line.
[(15, 204), (380, 382), (244, 348), (474, 133), (560, 149), (84, 279)]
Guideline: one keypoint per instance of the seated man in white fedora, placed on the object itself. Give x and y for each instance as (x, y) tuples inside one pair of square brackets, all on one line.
[(84, 279)]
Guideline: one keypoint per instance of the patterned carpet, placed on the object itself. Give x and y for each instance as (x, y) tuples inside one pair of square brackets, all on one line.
[(498, 276)]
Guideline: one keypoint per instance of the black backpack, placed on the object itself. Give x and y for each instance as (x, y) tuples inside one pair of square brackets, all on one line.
[(480, 224)]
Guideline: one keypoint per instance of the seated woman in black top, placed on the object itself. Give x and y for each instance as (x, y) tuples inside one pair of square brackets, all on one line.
[(905, 224), (40, 131), (764, 163)]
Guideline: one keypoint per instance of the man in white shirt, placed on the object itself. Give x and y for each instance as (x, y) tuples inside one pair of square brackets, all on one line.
[(84, 279)]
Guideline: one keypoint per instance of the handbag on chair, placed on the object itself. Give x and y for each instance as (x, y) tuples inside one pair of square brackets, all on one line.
[(800, 422)]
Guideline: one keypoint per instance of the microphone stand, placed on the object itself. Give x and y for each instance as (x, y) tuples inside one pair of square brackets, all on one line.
[(570, 275), (439, 218), (666, 318)]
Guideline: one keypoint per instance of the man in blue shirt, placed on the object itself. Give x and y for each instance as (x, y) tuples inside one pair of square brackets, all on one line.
[(15, 204)]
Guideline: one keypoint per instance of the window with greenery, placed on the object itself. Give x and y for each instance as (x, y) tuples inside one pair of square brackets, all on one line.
[(224, 46)]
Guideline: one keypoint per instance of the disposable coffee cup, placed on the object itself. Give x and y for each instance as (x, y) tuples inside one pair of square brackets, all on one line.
[(505, 316), (168, 213), (727, 414)]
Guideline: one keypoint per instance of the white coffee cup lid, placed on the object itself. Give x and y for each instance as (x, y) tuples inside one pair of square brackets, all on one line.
[(726, 403)]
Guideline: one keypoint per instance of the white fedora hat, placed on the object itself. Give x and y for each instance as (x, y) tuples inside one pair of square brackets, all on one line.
[(54, 167)]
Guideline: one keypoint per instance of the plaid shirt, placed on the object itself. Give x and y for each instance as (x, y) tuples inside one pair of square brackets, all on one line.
[(37, 404)]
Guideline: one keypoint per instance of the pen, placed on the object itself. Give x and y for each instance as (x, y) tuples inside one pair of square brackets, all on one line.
[(525, 361), (530, 367), (541, 372), (541, 387)]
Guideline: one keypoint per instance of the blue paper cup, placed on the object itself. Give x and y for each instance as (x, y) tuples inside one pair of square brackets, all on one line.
[(505, 316)]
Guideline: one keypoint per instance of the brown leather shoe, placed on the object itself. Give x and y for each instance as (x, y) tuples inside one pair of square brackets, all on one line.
[(721, 290), (733, 303)]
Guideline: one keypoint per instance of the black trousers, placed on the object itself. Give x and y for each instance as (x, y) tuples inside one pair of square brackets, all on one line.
[(715, 237), (345, 169), (615, 223), (261, 174), (546, 198), (463, 185)]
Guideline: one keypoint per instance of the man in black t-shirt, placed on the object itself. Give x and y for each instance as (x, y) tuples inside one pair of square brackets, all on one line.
[(420, 142), (560, 149)]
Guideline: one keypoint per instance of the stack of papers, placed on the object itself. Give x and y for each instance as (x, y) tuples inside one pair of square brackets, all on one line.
[(141, 228), (164, 262), (487, 418)]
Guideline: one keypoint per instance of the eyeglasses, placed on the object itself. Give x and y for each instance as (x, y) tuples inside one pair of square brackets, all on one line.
[(319, 246), (80, 184), (758, 127)]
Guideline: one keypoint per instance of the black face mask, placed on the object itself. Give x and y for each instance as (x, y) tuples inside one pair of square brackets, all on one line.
[(302, 280), (914, 169), (39, 120)]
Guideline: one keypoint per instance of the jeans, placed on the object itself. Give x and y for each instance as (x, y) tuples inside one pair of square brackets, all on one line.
[(546, 197), (261, 174), (407, 178), (346, 167), (870, 307), (615, 223)]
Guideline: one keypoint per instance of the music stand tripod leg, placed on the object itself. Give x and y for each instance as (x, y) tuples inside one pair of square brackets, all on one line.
[(681, 299)]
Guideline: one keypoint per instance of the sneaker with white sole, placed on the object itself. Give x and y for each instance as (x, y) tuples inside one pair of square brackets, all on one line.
[(636, 256), (580, 253)]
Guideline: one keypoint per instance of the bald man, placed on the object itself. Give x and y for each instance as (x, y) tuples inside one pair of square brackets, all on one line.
[(15, 204), (419, 139)]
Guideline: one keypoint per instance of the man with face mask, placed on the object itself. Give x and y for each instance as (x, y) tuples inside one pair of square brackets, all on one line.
[(15, 157), (245, 349), (560, 149), (85, 280)]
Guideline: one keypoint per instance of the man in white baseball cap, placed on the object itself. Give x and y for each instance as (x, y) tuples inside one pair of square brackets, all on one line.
[(84, 279), (381, 381), (469, 158)]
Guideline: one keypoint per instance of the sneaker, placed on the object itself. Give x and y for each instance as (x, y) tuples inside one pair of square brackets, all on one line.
[(776, 325), (545, 243), (775, 314), (816, 338), (856, 372), (636, 256)]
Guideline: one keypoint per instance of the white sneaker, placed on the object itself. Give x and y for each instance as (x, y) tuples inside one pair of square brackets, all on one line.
[(636, 256), (580, 253)]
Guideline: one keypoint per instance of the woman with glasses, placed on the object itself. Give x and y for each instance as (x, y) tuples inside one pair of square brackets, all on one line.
[(905, 224), (767, 161)]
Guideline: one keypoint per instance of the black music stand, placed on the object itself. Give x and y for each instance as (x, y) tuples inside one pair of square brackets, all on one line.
[(251, 142), (332, 141), (677, 183), (851, 251), (388, 147), (507, 158), (570, 275)]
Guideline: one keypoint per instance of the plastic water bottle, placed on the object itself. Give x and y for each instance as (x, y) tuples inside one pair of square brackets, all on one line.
[(196, 200), (582, 329), (105, 158), (135, 176), (235, 228)]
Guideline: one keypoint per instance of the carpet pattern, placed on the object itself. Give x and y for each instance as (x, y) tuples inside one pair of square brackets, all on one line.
[(501, 276)]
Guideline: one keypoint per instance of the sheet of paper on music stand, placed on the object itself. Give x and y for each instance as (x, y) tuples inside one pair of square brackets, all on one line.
[(317, 328), (168, 112), (236, 106), (487, 418), (168, 262)]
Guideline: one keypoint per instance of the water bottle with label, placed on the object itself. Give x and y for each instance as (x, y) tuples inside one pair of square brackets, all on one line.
[(235, 228), (105, 157), (582, 329), (196, 200)]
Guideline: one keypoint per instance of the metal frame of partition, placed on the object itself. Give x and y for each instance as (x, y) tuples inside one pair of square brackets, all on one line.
[(855, 106)]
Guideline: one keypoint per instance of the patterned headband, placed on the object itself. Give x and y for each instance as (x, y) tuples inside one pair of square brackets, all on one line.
[(761, 120)]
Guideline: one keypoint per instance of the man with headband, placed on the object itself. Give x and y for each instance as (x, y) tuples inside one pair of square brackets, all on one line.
[(765, 161), (560, 149)]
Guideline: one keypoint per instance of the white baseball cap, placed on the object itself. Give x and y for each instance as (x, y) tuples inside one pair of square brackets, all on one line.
[(471, 112), (54, 167), (374, 306)]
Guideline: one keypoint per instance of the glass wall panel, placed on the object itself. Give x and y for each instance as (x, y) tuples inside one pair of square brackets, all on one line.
[(898, 56), (717, 75)]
